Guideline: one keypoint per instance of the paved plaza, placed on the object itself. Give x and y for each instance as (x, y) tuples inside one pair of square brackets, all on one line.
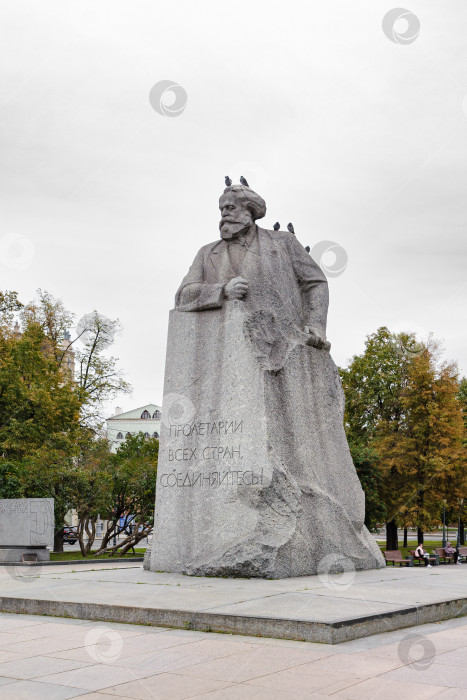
[(56, 658), (326, 608)]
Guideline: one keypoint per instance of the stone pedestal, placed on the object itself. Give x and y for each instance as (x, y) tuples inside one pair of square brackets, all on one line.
[(255, 476), (26, 529)]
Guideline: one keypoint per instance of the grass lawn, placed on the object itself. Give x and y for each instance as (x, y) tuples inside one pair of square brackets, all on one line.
[(76, 554)]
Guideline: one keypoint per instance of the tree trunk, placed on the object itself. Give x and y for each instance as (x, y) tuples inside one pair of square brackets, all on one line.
[(86, 534), (58, 540), (123, 546), (405, 537), (90, 526), (419, 535), (112, 528), (391, 535)]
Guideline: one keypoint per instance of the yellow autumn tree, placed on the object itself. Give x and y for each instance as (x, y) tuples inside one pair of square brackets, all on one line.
[(423, 457)]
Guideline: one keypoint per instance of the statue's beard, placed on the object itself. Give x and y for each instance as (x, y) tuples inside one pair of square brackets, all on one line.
[(233, 229)]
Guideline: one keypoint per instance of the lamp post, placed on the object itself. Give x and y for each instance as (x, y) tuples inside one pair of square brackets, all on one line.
[(444, 522), (461, 501)]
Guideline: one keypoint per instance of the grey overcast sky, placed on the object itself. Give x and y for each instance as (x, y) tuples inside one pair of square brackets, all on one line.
[(355, 138)]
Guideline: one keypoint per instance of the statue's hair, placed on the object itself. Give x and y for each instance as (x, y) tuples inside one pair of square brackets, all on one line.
[(253, 201)]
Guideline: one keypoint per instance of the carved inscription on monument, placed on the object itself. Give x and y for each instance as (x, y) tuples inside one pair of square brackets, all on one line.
[(14, 506), (226, 478), (26, 522), (220, 443), (221, 427)]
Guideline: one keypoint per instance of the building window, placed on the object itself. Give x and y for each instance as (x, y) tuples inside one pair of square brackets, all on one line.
[(156, 415), (119, 436), (155, 435), (145, 414), (128, 435), (146, 436)]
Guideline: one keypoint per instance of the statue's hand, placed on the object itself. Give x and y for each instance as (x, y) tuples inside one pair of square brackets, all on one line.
[(236, 288), (316, 340)]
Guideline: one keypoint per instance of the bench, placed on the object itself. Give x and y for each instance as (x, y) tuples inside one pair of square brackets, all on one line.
[(440, 551), (395, 556), (432, 559), (463, 552)]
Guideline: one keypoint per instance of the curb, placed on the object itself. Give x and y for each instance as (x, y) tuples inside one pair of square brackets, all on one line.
[(334, 632), (70, 562)]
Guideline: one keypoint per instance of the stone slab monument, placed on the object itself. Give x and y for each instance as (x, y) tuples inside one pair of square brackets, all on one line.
[(255, 477), (26, 529)]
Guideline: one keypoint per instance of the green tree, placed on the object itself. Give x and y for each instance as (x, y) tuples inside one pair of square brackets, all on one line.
[(462, 396), (367, 464), (133, 469), (50, 472), (373, 383), (36, 406), (426, 447), (39, 412), (9, 305), (97, 379), (47, 415), (11, 480), (93, 494), (403, 404), (97, 375)]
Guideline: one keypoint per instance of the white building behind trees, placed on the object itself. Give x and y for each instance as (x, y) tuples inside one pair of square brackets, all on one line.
[(145, 419)]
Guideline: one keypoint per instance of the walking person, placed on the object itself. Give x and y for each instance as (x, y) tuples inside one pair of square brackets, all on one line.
[(421, 554)]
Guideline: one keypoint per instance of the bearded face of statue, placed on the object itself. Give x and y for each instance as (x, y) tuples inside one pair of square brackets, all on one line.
[(236, 217)]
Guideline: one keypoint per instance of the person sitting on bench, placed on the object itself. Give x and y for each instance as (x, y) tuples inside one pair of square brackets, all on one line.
[(449, 549), (421, 554)]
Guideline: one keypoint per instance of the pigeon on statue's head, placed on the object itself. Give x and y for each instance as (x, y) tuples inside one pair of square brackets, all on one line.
[(276, 226), (228, 181), (243, 181), (290, 228)]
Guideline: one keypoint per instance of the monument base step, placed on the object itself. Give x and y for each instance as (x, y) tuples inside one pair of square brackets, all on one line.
[(278, 628), (305, 609), (21, 555)]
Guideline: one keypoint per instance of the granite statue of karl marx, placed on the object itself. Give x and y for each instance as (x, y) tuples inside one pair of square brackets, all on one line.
[(264, 268), (255, 477)]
